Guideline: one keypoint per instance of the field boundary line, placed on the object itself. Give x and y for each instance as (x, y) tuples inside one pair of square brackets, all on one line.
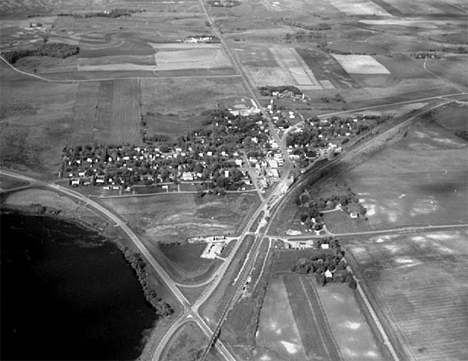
[(442, 79), (327, 325), (383, 334), (306, 69), (279, 60), (72, 81)]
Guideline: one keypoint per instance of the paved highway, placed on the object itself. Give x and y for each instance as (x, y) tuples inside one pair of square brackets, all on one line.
[(271, 204)]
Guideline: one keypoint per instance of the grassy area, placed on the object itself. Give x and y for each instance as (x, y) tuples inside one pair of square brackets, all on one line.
[(213, 308), (282, 261), (176, 217), (185, 264), (418, 181), (10, 183), (187, 344), (414, 284), (240, 327)]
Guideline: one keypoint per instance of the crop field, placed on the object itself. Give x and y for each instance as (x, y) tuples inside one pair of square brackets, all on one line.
[(359, 7), (348, 325), (325, 67), (205, 58), (316, 336), (278, 335), (418, 181), (360, 64), (422, 8), (416, 282), (176, 217), (290, 62), (107, 112), (262, 67)]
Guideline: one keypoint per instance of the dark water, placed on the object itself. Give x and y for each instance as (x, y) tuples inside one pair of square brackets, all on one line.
[(65, 295)]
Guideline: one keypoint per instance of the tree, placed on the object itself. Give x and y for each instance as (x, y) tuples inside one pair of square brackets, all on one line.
[(352, 282)]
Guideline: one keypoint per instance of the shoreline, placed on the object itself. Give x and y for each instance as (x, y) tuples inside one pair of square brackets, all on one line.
[(49, 204)]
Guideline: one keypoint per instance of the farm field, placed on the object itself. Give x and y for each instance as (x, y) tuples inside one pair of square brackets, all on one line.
[(360, 64), (421, 180), (186, 98), (176, 217), (34, 124), (278, 334), (326, 68), (352, 333), (107, 112), (416, 286)]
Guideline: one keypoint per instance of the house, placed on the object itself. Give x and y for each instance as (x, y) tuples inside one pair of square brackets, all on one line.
[(273, 163), (328, 274), (187, 176), (354, 214)]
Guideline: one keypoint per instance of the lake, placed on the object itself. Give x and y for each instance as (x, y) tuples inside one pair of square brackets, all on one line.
[(67, 295)]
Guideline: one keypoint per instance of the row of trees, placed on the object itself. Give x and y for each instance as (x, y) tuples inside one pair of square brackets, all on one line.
[(268, 90), (138, 263), (114, 13), (55, 50)]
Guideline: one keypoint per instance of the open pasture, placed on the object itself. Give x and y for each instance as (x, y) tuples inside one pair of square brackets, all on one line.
[(35, 122), (418, 181), (453, 69), (417, 285), (347, 323), (187, 97), (362, 47), (454, 117), (117, 62), (278, 336), (176, 217)]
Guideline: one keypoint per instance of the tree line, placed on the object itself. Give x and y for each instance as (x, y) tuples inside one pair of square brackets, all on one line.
[(114, 13), (55, 50)]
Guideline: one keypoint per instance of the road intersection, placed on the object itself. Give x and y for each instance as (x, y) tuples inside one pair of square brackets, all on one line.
[(269, 207)]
